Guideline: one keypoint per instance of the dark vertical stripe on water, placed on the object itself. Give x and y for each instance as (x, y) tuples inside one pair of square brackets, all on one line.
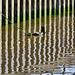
[(3, 11), (21, 10), (9, 49), (21, 48), (15, 48), (3, 50), (15, 11), (3, 36)]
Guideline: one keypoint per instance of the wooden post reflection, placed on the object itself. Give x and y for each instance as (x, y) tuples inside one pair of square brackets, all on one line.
[(44, 46), (50, 29), (72, 39), (18, 36), (68, 29), (24, 25), (12, 36), (63, 36), (59, 31)]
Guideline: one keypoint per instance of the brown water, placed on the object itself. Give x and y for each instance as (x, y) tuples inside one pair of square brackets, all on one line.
[(52, 53)]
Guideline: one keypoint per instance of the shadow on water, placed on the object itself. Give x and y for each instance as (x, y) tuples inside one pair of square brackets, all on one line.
[(53, 53)]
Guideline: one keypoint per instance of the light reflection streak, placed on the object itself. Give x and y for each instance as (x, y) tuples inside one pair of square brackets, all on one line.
[(50, 29), (44, 47), (18, 31), (29, 41), (6, 53), (63, 43), (54, 39), (68, 31), (49, 40), (40, 44), (54, 32), (34, 51), (59, 31), (12, 37), (72, 44), (40, 14), (63, 36), (24, 24), (29, 53)]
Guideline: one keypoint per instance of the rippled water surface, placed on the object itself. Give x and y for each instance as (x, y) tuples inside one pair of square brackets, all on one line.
[(52, 53)]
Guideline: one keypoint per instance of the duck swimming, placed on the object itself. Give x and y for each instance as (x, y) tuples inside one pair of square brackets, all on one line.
[(37, 33)]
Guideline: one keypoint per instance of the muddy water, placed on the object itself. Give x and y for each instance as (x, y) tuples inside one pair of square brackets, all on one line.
[(52, 53)]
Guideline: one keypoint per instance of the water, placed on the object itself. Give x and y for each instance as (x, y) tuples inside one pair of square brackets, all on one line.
[(53, 53)]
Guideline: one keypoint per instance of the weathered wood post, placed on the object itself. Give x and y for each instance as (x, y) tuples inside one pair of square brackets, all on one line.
[(0, 35), (40, 13), (35, 15), (29, 15), (50, 8)]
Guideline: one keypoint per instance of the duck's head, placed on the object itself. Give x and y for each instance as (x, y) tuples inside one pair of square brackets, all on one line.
[(41, 34)]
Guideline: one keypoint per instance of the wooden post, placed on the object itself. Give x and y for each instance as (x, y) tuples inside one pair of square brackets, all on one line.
[(29, 15), (64, 8), (68, 7), (54, 7), (0, 35), (35, 16), (6, 51), (59, 7), (40, 12), (50, 8)]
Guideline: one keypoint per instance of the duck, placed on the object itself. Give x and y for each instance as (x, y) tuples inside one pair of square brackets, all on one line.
[(37, 33)]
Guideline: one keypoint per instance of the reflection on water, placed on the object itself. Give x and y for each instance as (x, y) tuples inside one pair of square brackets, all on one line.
[(53, 53)]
